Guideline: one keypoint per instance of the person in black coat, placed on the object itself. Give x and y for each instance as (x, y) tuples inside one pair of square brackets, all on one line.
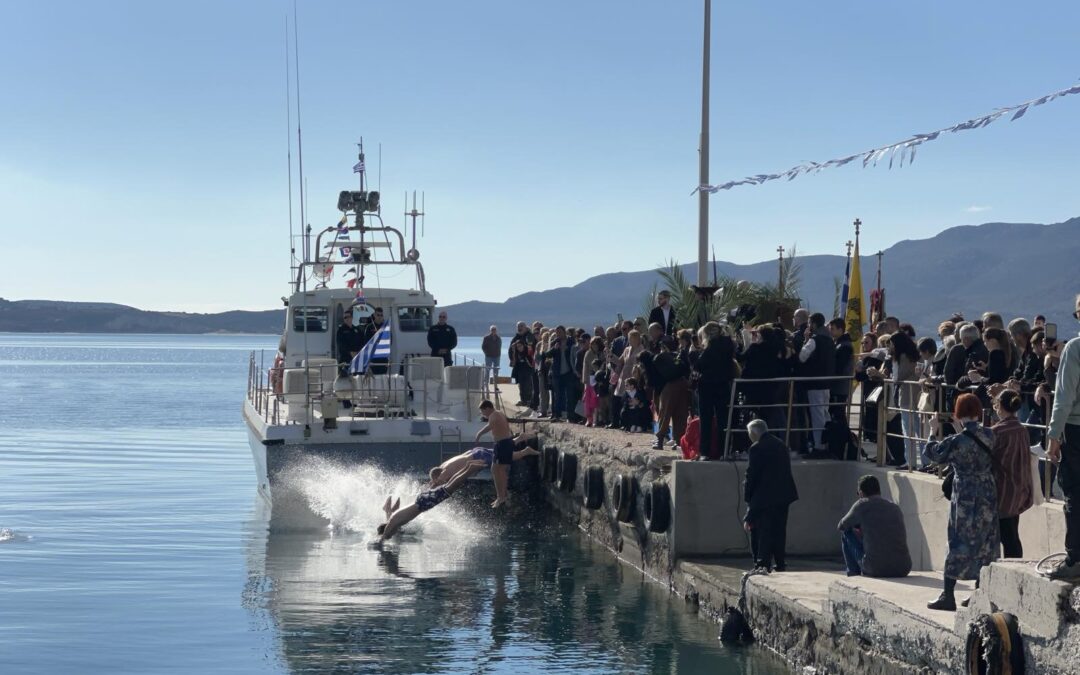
[(663, 313), (845, 365), (769, 489), (349, 340), (715, 370), (764, 360), (442, 338)]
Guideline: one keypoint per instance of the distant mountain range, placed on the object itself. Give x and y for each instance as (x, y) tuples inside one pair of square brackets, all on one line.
[(1015, 269)]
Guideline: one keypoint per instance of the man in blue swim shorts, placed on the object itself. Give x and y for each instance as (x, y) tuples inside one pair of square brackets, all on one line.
[(428, 499), (442, 473)]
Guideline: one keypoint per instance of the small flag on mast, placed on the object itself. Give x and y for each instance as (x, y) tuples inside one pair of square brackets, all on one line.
[(358, 167)]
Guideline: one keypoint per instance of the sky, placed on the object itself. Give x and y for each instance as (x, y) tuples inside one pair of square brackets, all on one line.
[(143, 145)]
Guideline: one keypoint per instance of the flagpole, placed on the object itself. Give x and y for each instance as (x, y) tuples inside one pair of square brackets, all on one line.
[(703, 155)]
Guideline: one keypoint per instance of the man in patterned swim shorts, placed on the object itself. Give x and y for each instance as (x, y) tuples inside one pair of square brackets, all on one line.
[(396, 517), (448, 469)]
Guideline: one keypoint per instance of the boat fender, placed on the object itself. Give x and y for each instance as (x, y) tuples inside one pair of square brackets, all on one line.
[(623, 494), (994, 645), (593, 488), (656, 506), (735, 629), (549, 457), (567, 471)]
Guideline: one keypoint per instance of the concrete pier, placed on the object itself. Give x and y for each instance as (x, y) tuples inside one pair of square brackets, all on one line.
[(813, 614)]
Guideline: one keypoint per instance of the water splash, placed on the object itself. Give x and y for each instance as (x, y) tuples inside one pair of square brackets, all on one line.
[(351, 496), (7, 534)]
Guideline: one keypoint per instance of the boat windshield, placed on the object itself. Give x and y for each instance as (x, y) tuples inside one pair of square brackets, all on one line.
[(310, 319), (414, 319)]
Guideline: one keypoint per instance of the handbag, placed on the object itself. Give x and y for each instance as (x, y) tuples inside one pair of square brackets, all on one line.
[(927, 402)]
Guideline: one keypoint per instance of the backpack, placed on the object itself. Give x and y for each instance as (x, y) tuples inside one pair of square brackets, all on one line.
[(840, 441)]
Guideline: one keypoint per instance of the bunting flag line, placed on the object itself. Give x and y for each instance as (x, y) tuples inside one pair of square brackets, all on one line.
[(905, 149)]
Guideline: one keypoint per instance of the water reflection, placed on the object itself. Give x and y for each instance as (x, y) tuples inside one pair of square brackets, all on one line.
[(523, 596)]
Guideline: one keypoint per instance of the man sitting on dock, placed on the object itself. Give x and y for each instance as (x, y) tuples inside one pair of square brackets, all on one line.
[(873, 535), (396, 517), (445, 471), (499, 427)]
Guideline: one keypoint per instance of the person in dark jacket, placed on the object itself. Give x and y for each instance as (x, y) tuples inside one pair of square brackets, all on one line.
[(348, 339), (563, 379), (673, 400), (764, 360), (442, 338), (663, 313), (522, 369), (845, 365), (817, 358), (769, 489), (716, 369)]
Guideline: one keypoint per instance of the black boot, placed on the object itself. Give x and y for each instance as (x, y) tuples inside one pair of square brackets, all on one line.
[(945, 602)]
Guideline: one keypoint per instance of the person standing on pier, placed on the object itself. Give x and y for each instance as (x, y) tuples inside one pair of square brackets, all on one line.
[(769, 489), (1064, 449), (817, 359), (664, 313), (973, 511), (491, 345), (499, 427), (442, 338), (716, 370)]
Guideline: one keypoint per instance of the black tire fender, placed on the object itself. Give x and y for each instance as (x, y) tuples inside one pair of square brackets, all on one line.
[(656, 506), (994, 645), (593, 488), (567, 471), (549, 469), (623, 494)]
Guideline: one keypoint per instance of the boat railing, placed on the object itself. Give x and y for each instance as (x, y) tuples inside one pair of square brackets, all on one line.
[(409, 389)]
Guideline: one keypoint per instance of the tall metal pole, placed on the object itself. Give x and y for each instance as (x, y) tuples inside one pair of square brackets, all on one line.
[(703, 156)]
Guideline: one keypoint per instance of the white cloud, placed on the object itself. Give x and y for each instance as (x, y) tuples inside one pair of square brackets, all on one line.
[(977, 209)]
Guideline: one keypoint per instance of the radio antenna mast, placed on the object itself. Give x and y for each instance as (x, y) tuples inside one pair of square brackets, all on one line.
[(299, 136), (288, 143)]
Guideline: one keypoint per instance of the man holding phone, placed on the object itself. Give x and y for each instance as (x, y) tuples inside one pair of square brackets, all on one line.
[(1063, 448)]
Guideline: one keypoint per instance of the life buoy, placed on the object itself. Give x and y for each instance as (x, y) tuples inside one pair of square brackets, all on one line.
[(623, 493), (567, 471), (550, 468), (656, 507), (994, 645), (593, 488)]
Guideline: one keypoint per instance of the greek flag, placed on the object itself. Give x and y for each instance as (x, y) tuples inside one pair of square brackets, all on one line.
[(377, 347), (358, 167)]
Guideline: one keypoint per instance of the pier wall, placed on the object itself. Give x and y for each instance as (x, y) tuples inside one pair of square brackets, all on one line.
[(815, 616)]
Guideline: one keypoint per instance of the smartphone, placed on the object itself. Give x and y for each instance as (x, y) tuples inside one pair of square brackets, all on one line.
[(620, 317), (1050, 331)]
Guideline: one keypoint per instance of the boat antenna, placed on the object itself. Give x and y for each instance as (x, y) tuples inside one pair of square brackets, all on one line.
[(299, 135), (288, 143), (379, 210)]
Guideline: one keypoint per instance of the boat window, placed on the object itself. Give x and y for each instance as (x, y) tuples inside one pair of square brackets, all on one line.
[(414, 319), (310, 319)]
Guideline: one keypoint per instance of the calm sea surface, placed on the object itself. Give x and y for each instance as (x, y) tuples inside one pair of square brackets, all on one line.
[(132, 541)]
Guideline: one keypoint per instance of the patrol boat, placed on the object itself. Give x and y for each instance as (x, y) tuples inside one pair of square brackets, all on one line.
[(394, 404)]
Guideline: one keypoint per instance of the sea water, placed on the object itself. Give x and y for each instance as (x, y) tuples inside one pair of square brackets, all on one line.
[(132, 540)]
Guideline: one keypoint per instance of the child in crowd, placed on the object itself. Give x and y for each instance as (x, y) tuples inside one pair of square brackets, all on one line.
[(634, 407), (602, 387)]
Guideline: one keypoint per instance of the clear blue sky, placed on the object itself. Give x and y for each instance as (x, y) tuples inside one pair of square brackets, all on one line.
[(142, 144)]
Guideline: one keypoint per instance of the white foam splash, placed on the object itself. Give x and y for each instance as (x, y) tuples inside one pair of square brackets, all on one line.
[(351, 497), (7, 534)]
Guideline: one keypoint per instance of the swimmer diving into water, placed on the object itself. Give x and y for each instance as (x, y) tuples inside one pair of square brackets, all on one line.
[(445, 471), (396, 517)]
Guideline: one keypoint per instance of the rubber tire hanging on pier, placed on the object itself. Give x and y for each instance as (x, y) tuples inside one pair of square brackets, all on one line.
[(623, 494), (549, 466), (593, 488), (994, 645), (567, 471), (656, 506)]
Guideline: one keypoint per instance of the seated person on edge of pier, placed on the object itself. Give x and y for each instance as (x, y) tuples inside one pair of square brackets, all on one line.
[(396, 517), (448, 469), (873, 535), (499, 427)]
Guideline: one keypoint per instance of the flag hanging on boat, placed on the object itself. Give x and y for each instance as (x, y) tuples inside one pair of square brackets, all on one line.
[(855, 316), (378, 347), (358, 167)]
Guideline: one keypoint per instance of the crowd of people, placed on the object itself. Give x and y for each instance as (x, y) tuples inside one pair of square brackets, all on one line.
[(972, 401)]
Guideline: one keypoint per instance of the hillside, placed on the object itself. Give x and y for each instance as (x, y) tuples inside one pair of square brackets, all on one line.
[(1016, 269)]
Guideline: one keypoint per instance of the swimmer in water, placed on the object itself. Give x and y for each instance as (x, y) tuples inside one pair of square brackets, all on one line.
[(442, 473), (397, 517), (499, 427)]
